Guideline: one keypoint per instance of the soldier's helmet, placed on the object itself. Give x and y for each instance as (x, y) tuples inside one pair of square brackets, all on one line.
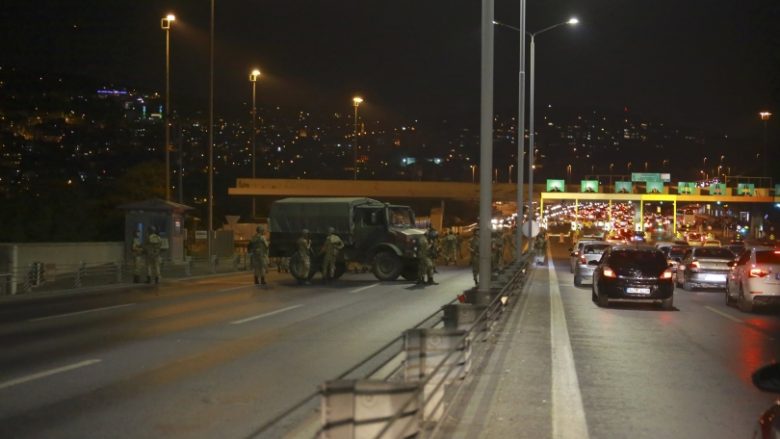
[(331, 230), (305, 231)]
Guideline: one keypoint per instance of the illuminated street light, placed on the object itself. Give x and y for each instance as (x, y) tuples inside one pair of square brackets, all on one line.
[(473, 173), (572, 21), (356, 101), (253, 79), (165, 24), (509, 173)]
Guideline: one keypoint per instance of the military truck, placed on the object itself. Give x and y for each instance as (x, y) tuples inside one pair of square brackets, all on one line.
[(376, 234)]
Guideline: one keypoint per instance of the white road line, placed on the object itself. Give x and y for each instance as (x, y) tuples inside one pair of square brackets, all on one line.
[(105, 308), (278, 311), (46, 373), (568, 413), (357, 290), (723, 314)]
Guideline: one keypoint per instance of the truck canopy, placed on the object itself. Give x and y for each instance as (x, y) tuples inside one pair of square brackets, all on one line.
[(291, 215)]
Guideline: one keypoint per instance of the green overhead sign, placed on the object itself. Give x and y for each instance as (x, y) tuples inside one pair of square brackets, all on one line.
[(686, 187), (654, 187), (718, 189), (748, 189), (589, 185), (623, 187), (650, 176), (556, 185)]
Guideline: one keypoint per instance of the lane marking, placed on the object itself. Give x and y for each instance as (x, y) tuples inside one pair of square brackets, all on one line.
[(81, 312), (723, 314), (278, 311), (357, 290), (568, 413), (47, 373)]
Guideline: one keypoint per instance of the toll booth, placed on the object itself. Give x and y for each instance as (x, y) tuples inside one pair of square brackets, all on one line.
[(166, 216)]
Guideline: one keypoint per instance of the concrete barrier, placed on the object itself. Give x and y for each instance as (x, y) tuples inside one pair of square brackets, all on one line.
[(357, 409)]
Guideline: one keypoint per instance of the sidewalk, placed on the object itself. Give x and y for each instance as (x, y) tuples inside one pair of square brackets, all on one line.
[(508, 393)]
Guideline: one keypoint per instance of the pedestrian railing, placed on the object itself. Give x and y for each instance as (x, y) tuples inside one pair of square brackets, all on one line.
[(405, 387), (44, 276)]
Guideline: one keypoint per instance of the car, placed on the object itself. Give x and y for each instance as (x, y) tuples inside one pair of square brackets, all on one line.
[(767, 379), (588, 260), (575, 251), (694, 239), (754, 279), (674, 255), (661, 245), (633, 273), (737, 248), (704, 267), (711, 243)]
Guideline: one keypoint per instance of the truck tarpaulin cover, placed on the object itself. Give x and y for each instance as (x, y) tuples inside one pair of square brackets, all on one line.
[(291, 215)]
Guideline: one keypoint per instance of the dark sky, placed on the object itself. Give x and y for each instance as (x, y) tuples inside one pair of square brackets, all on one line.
[(694, 63)]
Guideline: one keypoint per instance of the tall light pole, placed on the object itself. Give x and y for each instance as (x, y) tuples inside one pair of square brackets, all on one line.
[(165, 24), (509, 173), (356, 101), (473, 173), (253, 79), (531, 134), (210, 240), (765, 115)]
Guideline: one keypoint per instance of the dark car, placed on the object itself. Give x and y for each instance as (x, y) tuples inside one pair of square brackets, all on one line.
[(633, 274), (768, 379), (704, 267)]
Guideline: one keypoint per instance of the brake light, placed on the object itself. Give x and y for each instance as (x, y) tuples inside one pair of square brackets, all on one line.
[(608, 272), (694, 266), (583, 260), (758, 272), (667, 274)]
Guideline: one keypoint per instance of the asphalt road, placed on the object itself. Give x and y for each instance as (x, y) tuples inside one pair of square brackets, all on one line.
[(563, 367), (215, 357)]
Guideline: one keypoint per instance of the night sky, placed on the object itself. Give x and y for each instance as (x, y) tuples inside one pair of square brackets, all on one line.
[(710, 64)]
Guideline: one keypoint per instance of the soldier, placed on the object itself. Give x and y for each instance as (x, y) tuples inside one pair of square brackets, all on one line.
[(258, 249), (433, 245), (425, 263), (450, 248), (474, 249), (137, 250), (304, 252), (152, 248), (331, 248), (509, 243)]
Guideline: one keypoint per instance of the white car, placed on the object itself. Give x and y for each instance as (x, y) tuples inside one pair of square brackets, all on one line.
[(590, 255), (754, 279), (576, 251)]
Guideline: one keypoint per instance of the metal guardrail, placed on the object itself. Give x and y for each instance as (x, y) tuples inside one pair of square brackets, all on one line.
[(43, 276), (386, 363)]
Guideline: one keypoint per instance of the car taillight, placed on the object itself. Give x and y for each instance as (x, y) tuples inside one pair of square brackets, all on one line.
[(694, 266), (757, 272), (583, 260), (608, 272), (667, 274)]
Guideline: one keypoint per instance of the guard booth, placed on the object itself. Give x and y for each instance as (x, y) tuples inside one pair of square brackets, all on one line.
[(166, 216)]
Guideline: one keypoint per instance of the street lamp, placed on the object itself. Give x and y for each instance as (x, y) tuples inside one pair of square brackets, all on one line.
[(253, 79), (165, 24), (531, 142), (473, 173), (356, 101), (210, 241), (765, 115), (509, 173)]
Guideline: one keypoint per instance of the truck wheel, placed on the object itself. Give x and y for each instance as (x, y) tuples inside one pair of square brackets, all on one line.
[(296, 269), (387, 266)]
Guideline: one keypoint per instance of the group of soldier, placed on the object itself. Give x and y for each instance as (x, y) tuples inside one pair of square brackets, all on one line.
[(258, 250), (429, 248), (147, 254)]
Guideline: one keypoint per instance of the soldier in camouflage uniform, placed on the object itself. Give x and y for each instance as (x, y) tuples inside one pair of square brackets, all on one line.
[(331, 248), (304, 253), (474, 249), (152, 249), (425, 263), (258, 249), (137, 250), (450, 248)]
